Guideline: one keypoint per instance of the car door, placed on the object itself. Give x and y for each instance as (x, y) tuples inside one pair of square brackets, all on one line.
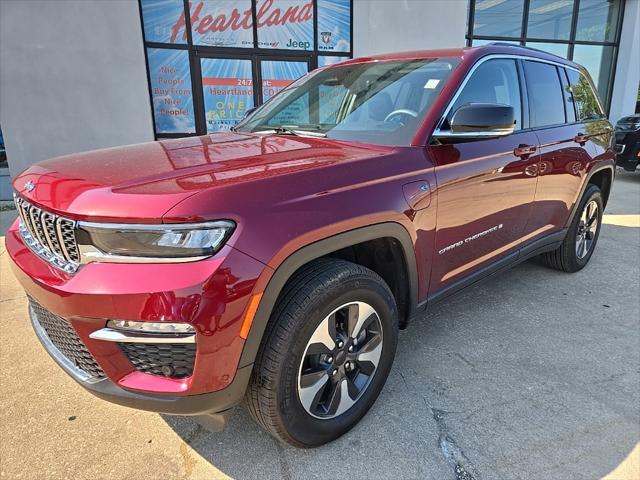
[(485, 187), (566, 145)]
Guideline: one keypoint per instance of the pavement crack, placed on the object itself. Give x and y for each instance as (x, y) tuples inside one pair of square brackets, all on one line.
[(452, 453)]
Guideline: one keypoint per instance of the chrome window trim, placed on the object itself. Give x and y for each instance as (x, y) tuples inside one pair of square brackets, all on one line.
[(127, 336), (495, 56)]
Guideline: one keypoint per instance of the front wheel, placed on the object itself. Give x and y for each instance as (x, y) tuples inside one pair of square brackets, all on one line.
[(582, 236), (326, 354)]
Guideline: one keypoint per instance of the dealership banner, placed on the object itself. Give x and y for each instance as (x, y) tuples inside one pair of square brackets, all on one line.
[(334, 25), (171, 88), (228, 91), (281, 24), (200, 38)]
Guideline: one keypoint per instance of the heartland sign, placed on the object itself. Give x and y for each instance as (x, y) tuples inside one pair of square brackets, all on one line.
[(222, 23)]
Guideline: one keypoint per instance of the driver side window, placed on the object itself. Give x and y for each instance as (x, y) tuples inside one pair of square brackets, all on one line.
[(494, 81)]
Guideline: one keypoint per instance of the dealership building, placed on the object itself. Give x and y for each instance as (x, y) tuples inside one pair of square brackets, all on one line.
[(84, 74)]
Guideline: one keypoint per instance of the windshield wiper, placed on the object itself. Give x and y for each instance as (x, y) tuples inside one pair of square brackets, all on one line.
[(282, 130)]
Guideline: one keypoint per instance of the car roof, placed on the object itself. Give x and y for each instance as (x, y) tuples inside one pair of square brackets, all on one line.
[(466, 53)]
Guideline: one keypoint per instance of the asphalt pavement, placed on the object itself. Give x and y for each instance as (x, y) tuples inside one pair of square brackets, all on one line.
[(533, 375)]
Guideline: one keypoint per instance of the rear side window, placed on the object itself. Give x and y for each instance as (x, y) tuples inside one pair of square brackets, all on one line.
[(494, 81), (584, 98), (545, 94)]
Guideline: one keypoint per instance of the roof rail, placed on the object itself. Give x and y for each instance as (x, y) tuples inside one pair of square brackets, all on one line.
[(505, 44)]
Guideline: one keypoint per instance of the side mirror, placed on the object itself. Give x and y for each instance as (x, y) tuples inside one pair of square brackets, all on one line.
[(479, 120)]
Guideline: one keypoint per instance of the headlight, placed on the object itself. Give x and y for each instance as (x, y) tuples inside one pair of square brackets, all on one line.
[(105, 242)]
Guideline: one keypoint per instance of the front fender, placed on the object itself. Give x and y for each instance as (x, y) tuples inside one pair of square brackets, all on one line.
[(285, 263)]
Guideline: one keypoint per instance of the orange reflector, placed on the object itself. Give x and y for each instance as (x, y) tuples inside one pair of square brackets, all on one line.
[(249, 314)]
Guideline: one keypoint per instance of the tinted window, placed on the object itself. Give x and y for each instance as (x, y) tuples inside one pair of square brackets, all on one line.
[(584, 98), (494, 81), (545, 94), (568, 98)]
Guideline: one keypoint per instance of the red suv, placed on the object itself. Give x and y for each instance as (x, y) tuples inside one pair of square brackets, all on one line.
[(276, 262)]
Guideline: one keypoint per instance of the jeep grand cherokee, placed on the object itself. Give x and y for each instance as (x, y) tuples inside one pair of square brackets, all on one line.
[(276, 262)]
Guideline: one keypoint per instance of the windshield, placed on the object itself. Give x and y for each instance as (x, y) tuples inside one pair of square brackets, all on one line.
[(381, 102)]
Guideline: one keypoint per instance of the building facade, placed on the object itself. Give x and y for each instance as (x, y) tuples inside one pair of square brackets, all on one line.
[(79, 75)]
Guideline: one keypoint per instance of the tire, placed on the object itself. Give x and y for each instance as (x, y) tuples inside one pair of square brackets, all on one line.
[(567, 257), (292, 351)]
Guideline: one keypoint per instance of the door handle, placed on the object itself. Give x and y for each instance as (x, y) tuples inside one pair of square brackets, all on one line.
[(524, 150), (581, 138)]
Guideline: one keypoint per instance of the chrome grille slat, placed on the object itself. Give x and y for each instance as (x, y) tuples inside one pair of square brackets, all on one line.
[(48, 235), (49, 227)]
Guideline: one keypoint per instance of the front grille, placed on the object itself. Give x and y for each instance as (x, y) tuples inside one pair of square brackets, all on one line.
[(173, 360), (66, 340), (50, 236)]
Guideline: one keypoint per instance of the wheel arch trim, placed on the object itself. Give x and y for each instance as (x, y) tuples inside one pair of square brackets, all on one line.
[(610, 165), (316, 250)]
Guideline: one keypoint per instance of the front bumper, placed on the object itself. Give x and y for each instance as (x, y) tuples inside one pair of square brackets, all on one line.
[(211, 295)]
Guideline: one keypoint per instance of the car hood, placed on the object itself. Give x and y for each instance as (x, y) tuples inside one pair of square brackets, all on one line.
[(142, 182)]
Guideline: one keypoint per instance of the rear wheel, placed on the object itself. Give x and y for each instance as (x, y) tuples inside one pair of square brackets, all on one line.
[(326, 354), (582, 236)]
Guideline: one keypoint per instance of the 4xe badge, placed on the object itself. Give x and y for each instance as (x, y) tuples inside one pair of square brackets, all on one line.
[(29, 186)]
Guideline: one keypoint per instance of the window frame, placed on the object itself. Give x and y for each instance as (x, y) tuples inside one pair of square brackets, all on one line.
[(526, 122), (532, 105), (521, 89)]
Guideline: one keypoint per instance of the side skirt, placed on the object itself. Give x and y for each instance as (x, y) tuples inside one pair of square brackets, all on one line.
[(545, 244)]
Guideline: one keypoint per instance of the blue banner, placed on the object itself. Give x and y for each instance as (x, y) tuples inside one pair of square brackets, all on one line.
[(171, 90), (228, 91), (326, 60), (222, 23), (161, 19), (334, 25), (285, 24)]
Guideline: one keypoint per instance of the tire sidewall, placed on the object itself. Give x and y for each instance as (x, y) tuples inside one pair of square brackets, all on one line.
[(592, 194), (303, 427)]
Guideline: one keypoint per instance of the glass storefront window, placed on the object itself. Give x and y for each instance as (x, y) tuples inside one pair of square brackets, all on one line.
[(597, 20), (477, 42), (222, 23), (334, 26), (325, 61), (550, 19), (585, 31), (164, 21), (171, 88), (498, 18), (277, 74), (227, 87), (285, 24), (560, 49), (235, 54), (598, 60)]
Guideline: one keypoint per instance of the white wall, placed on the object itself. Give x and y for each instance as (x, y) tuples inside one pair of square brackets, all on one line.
[(625, 87), (381, 26), (72, 78)]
